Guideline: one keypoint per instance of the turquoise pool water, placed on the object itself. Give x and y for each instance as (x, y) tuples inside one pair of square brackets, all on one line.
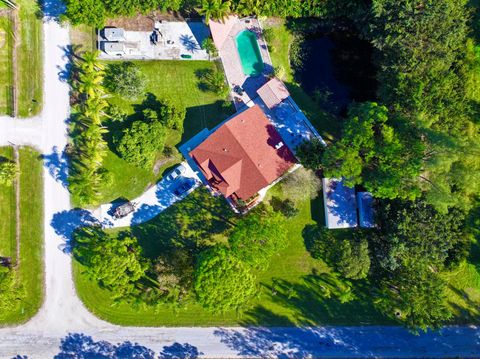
[(249, 53)]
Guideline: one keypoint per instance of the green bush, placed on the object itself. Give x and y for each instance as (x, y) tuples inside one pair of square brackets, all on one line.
[(126, 80), (222, 281), (141, 142)]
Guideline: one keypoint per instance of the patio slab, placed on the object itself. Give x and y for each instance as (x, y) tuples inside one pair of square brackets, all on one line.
[(174, 40)]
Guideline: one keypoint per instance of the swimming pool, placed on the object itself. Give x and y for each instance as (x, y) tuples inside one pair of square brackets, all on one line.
[(249, 53)]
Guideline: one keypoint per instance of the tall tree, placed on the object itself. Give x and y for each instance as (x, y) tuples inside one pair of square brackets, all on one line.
[(258, 236), (116, 263), (214, 9), (301, 185), (222, 281), (429, 74), (372, 153)]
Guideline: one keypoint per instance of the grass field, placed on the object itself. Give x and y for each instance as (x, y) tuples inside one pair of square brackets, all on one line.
[(177, 81), (83, 38), (328, 126), (7, 212), (30, 60), (6, 69), (31, 238)]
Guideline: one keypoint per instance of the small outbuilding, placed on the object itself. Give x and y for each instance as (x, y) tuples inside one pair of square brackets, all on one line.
[(366, 213), (114, 34), (114, 48), (340, 204)]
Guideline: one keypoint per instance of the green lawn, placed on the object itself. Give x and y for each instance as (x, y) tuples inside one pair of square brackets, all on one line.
[(6, 69), (30, 60), (293, 291), (7, 212), (31, 238), (279, 46), (177, 81), (289, 292)]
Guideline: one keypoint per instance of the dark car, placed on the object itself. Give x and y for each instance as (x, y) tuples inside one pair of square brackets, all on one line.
[(184, 187), (124, 210)]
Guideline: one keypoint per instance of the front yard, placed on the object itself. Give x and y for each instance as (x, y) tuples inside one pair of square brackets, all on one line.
[(177, 81), (290, 290), (30, 270)]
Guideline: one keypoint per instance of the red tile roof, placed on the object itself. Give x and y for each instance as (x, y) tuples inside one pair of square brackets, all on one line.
[(241, 156), (273, 93)]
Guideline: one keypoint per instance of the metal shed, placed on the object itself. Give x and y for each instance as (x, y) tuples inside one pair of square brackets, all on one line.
[(114, 34)]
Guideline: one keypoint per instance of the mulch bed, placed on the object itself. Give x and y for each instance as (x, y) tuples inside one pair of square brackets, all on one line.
[(143, 22)]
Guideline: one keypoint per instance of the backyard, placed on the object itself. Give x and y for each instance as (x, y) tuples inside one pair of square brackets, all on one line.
[(279, 39), (178, 82), (30, 271)]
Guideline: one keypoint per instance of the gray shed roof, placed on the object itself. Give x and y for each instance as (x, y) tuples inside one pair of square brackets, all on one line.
[(114, 33), (366, 212), (109, 47)]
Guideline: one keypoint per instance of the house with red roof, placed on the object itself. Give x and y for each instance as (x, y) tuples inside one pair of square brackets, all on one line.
[(243, 156)]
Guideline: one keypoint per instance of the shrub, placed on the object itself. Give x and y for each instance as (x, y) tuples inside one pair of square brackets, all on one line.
[(8, 172), (222, 281), (141, 142), (209, 46), (126, 80), (214, 81), (301, 185)]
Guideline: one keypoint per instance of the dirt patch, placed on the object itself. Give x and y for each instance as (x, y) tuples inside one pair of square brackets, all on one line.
[(143, 22), (158, 165)]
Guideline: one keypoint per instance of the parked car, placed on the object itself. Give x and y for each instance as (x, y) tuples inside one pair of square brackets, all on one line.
[(184, 187), (124, 210), (177, 172)]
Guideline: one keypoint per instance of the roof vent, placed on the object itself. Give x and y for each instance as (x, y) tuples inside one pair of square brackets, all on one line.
[(224, 150), (279, 145)]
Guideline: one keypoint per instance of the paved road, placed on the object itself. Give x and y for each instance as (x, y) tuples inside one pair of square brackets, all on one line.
[(64, 326)]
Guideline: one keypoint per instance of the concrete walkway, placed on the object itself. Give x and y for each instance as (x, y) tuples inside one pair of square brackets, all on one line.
[(65, 328)]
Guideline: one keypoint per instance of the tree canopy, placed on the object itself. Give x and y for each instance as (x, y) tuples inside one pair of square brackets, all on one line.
[(222, 281), (125, 79), (115, 263), (372, 153), (258, 236), (143, 140)]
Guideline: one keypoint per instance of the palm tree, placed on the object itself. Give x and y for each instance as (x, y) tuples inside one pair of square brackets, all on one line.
[(214, 9), (249, 7), (90, 62)]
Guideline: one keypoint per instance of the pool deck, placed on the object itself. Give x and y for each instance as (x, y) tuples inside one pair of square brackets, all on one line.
[(224, 35)]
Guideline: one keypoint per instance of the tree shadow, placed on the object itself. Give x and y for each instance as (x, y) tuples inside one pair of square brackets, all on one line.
[(65, 223), (205, 116), (189, 43), (180, 351), (57, 164), (189, 224), (78, 345), (325, 299), (53, 9)]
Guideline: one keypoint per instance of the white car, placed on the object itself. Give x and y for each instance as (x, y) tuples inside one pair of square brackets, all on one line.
[(177, 172)]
